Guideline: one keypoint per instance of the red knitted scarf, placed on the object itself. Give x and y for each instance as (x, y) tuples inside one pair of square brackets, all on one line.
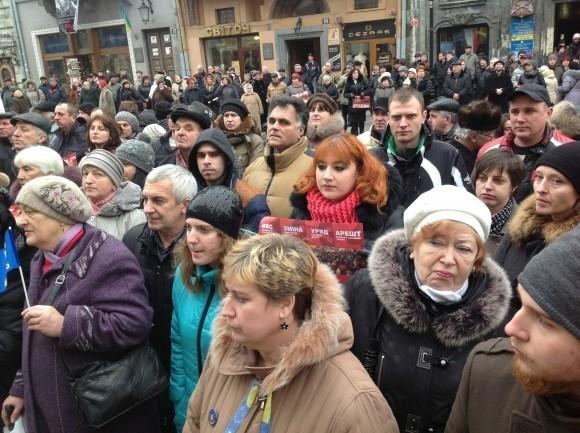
[(328, 211)]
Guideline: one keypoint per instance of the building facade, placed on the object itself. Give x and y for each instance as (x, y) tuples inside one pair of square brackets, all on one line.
[(250, 34), (151, 40), (11, 66)]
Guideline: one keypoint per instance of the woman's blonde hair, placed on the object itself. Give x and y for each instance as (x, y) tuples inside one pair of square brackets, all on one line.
[(279, 266)]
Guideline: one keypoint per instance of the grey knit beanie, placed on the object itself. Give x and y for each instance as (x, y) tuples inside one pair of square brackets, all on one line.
[(155, 131), (57, 198), (138, 153), (107, 162), (220, 207), (125, 116), (551, 279)]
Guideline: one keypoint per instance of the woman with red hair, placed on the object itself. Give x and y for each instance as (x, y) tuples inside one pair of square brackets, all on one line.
[(347, 184)]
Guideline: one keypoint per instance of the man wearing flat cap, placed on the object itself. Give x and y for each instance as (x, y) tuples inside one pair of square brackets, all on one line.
[(531, 381), (530, 109), (498, 86), (30, 129), (443, 118)]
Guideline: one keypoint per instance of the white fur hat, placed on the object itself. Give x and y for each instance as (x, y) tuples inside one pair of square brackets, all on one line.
[(447, 202)]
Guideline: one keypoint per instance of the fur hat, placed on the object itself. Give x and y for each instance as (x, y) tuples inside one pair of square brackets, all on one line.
[(565, 159), (447, 202), (107, 162), (479, 116), (125, 116), (220, 207), (324, 100), (57, 198), (138, 153)]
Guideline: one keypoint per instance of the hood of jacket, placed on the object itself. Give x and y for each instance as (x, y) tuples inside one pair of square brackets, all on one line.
[(127, 198), (325, 332), (209, 137), (334, 125), (29, 82), (245, 128), (484, 309), (526, 224)]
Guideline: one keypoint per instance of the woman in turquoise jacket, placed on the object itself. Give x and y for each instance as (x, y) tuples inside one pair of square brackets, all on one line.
[(212, 223)]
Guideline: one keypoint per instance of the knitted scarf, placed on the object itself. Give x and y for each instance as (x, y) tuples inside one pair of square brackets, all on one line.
[(328, 211), (499, 219)]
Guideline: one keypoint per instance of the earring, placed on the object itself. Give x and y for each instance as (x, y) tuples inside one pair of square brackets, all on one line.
[(284, 326)]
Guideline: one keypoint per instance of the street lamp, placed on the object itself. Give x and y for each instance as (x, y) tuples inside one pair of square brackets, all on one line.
[(145, 10)]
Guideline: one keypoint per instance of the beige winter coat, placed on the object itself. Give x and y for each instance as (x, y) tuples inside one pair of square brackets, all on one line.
[(551, 83)]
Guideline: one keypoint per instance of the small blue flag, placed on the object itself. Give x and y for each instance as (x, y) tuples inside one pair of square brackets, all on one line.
[(8, 259)]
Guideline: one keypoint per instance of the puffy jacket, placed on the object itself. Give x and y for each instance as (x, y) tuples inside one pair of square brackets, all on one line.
[(570, 88), (121, 213), (317, 386), (460, 84), (437, 163), (422, 346), (275, 174), (551, 83), (191, 333)]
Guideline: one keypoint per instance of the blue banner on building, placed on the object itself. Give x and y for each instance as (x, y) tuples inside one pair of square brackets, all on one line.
[(523, 34)]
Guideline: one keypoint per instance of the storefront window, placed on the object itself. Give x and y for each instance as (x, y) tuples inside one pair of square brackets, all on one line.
[(112, 63), (113, 37), (456, 38), (358, 51), (242, 53), (55, 68), (366, 4), (54, 44), (82, 40), (251, 53)]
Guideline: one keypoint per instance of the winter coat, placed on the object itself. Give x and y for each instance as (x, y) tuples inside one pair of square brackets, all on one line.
[(105, 308), (20, 102), (341, 86), (161, 95), (423, 345), (460, 84), (334, 125), (516, 74), (371, 138), (91, 95), (552, 138), (479, 82), (73, 143), (260, 88), (276, 90), (275, 174), (375, 222), (311, 72), (489, 391), (570, 88), (191, 332), (532, 77), (317, 386), (144, 91), (7, 154), (330, 90), (162, 148), (35, 95), (121, 213), (254, 105), (383, 92), (352, 89), (300, 91), (56, 95), (226, 93), (129, 94), (503, 82), (551, 83), (439, 73), (425, 86), (192, 94), (107, 102), (247, 145), (526, 235), (471, 62), (437, 163)]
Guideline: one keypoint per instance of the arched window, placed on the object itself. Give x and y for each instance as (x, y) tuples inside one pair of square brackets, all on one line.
[(296, 8)]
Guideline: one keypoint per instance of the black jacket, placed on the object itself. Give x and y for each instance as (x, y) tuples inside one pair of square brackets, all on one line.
[(418, 174), (75, 142), (460, 84), (533, 77), (192, 94), (7, 155), (330, 90), (503, 82), (421, 346), (353, 89)]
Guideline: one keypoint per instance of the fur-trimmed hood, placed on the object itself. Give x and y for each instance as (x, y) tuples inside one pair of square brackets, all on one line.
[(334, 125), (245, 128), (483, 310), (526, 224), (326, 332)]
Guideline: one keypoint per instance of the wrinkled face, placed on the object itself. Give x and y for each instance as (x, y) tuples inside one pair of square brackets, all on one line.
[(494, 188), (555, 194), (283, 130), (204, 242), (445, 261), (318, 115), (185, 132), (528, 119), (96, 184), (6, 128), (335, 179), (99, 134), (406, 120), (126, 129), (164, 214), (252, 318), (26, 135), (211, 164), (28, 172), (63, 118), (40, 230), (546, 356), (232, 120)]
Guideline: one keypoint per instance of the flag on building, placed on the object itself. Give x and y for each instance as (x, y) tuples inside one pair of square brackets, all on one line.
[(125, 16), (8, 259)]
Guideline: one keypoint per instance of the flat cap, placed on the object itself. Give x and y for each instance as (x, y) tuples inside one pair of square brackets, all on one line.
[(444, 104)]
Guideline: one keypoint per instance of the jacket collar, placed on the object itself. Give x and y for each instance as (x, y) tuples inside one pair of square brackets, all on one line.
[(482, 312), (282, 160), (326, 332)]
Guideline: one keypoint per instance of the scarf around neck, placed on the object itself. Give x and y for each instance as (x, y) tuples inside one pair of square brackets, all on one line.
[(501, 218), (328, 211)]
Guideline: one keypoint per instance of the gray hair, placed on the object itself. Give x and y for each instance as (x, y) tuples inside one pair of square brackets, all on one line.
[(450, 115), (46, 159), (182, 181), (463, 133), (42, 135)]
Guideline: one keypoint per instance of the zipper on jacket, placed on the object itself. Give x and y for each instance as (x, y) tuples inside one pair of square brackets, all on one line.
[(380, 373), (256, 408), (200, 328)]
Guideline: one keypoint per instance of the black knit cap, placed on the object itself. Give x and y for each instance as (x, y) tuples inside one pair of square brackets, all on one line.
[(236, 106), (565, 159), (220, 207)]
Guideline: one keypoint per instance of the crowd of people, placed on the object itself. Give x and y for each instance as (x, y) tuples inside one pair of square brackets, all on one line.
[(134, 207)]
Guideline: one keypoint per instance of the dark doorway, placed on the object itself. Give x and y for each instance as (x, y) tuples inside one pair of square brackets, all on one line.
[(160, 51), (298, 50), (567, 17)]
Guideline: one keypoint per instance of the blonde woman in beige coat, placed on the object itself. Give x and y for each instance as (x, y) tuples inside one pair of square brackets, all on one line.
[(253, 103)]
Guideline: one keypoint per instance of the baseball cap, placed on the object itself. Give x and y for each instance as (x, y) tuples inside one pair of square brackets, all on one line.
[(536, 92)]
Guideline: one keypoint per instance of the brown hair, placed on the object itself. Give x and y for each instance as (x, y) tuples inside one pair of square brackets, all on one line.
[(406, 94), (114, 131), (372, 176), (504, 161)]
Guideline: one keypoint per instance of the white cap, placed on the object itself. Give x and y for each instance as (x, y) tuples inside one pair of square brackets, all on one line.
[(447, 202)]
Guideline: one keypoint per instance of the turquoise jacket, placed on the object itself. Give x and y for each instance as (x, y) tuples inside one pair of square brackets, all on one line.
[(189, 343)]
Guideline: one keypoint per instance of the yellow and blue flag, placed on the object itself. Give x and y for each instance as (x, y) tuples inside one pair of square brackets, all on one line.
[(8, 259)]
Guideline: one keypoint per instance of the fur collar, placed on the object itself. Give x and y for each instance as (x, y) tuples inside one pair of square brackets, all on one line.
[(526, 224), (334, 125), (453, 327), (324, 334)]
